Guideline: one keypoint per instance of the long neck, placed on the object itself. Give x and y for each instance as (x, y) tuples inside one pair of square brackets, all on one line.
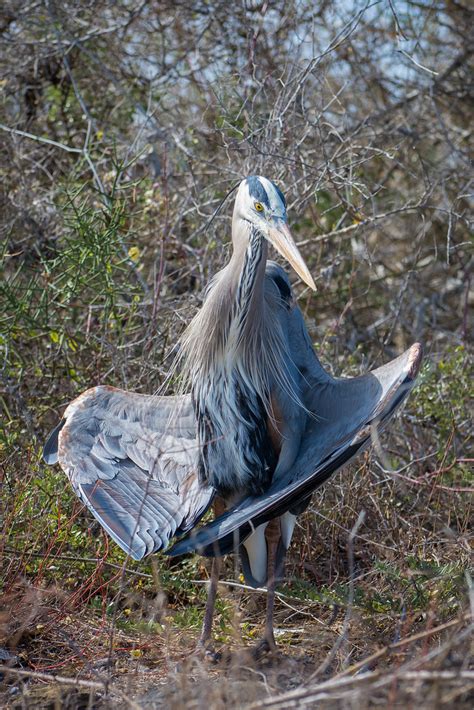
[(248, 264), (230, 322)]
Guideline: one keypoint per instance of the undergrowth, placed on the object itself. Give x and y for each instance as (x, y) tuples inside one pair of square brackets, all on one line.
[(119, 148)]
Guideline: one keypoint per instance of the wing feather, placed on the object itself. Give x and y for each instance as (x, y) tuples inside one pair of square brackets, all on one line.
[(132, 459)]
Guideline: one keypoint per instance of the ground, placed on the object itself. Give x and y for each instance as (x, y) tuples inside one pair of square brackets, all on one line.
[(63, 654)]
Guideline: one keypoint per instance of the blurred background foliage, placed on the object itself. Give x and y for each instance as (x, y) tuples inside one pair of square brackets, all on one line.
[(123, 127)]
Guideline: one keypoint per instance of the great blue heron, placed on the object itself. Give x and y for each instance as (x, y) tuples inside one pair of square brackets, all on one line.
[(263, 425)]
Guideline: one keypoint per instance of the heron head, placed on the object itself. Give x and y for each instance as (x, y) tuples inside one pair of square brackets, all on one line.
[(262, 204)]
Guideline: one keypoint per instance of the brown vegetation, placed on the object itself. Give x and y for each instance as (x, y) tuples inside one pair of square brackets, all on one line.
[(123, 126)]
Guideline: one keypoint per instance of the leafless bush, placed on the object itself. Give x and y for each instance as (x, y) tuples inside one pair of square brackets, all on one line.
[(124, 125)]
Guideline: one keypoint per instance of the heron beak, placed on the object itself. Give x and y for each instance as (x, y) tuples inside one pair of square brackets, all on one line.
[(280, 236)]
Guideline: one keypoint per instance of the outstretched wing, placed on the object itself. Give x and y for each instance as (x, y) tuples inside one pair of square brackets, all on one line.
[(346, 413), (132, 459)]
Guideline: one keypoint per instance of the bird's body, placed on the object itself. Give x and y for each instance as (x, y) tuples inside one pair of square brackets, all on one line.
[(246, 386), (262, 427)]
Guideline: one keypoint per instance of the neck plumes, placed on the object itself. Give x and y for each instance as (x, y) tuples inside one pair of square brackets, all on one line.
[(231, 318)]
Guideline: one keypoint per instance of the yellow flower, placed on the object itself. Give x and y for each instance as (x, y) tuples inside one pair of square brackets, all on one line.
[(134, 253)]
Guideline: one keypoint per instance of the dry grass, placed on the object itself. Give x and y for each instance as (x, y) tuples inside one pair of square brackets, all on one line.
[(87, 661)]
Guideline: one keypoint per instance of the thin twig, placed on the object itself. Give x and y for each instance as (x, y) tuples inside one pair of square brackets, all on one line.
[(64, 680), (48, 677), (40, 139)]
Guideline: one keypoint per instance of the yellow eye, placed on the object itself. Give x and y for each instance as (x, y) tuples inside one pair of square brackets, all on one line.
[(258, 206)]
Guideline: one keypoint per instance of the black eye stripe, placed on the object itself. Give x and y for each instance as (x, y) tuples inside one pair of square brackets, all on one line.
[(257, 191)]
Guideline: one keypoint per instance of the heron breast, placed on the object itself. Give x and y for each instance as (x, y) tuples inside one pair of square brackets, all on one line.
[(239, 442)]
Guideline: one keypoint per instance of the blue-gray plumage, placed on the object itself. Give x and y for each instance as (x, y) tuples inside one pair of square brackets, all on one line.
[(262, 427)]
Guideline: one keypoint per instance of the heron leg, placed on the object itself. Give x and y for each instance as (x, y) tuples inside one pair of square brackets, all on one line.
[(210, 603), (219, 508), (272, 534)]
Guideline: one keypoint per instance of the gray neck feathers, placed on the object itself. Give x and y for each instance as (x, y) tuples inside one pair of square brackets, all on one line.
[(228, 333)]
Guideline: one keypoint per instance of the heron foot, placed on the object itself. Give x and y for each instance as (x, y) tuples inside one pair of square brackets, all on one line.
[(265, 647), (206, 652)]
